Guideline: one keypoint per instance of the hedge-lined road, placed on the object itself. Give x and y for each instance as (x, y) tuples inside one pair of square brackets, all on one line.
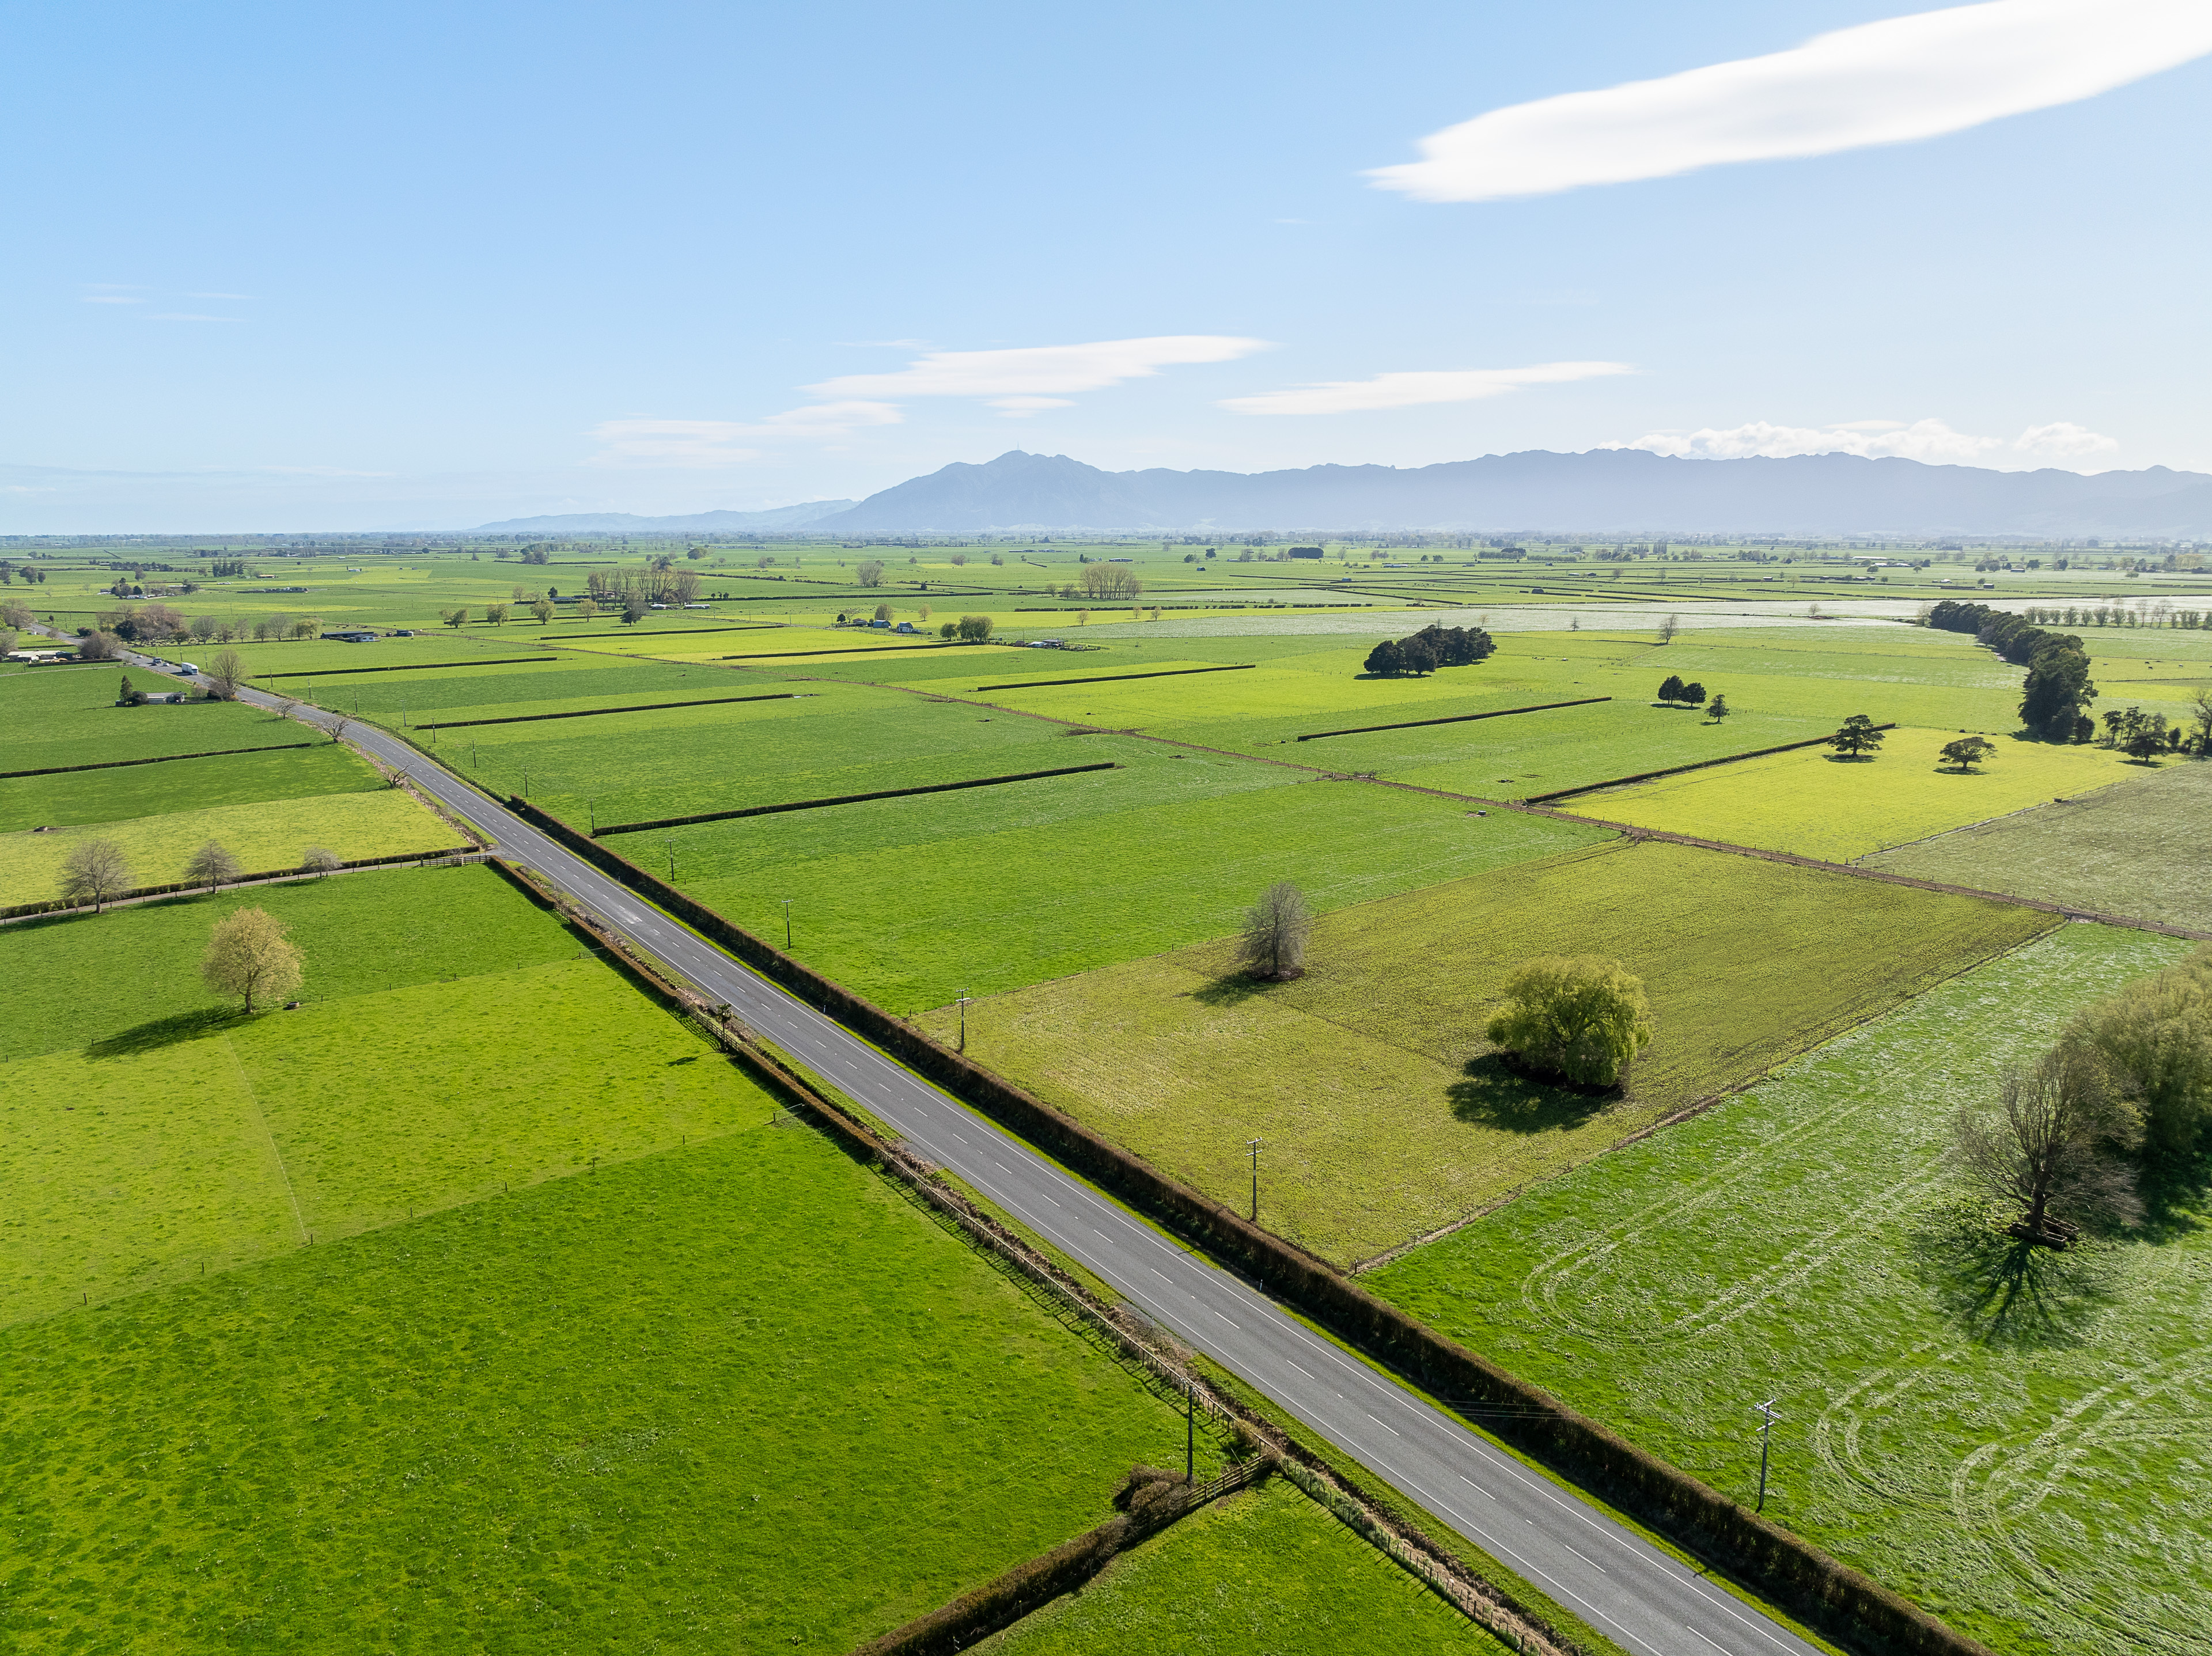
[(1623, 1585)]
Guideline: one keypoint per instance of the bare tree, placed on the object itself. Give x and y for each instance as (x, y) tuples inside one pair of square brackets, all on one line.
[(212, 865), (226, 673), (94, 872), (1109, 580), (870, 573), (249, 955), (1668, 628), (321, 860), (2052, 1145), (1276, 929), (99, 646)]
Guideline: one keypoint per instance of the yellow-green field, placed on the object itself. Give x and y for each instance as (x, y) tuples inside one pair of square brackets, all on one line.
[(267, 835), (1817, 804), (1382, 1112)]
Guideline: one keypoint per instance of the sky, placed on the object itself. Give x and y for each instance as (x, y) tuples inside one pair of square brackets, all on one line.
[(286, 268)]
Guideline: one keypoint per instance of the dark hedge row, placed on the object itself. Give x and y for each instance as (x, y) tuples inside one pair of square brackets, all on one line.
[(850, 798), (1676, 770), (1455, 718), (1785, 1567), (159, 759), (593, 712)]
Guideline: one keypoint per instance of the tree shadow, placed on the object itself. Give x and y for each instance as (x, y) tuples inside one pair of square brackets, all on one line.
[(1850, 758), (1492, 1091), (165, 1032), (2004, 1292), (1233, 989), (2176, 1193)]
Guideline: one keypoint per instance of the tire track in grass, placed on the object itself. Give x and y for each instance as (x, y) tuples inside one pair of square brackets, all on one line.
[(253, 1103)]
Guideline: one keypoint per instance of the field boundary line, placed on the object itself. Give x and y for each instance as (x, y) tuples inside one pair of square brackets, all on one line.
[(851, 798), (55, 909), (392, 667), (1118, 678), (1678, 770), (1989, 822), (158, 759), (253, 1103), (593, 712), (1449, 719)]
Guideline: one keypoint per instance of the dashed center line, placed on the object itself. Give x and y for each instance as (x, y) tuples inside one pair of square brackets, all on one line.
[(1386, 1426)]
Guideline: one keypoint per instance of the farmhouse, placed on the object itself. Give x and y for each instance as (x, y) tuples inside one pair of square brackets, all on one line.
[(353, 635)]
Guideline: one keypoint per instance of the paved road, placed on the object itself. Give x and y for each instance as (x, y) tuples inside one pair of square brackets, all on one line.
[(1628, 1589)]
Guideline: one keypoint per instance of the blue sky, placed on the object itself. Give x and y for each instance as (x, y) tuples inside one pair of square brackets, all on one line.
[(410, 266)]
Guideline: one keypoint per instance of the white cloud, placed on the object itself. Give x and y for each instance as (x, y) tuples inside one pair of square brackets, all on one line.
[(1930, 440), (1401, 391), (1020, 408), (1894, 82), (1041, 370), (707, 443)]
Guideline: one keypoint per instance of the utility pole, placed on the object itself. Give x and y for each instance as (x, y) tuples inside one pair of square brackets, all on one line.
[(669, 846), (963, 1020), (786, 925), (593, 806), (1765, 1412), (1189, 1428), (1254, 1144)]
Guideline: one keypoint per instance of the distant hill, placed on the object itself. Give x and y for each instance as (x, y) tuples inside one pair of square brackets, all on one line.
[(617, 523), (1605, 492)]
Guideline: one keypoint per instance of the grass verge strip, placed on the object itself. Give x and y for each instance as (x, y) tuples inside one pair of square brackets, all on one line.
[(139, 893), (1117, 678), (1676, 770), (845, 799), (396, 667), (593, 712), (1456, 719), (1778, 1564), (158, 759)]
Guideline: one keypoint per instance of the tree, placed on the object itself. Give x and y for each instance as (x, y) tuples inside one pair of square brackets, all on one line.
[(1276, 929), (587, 607), (1857, 739), (2057, 689), (1387, 659), (1694, 693), (2200, 709), (1580, 1017), (2051, 1146), (452, 617), (100, 647), (1719, 710), (883, 612), (2145, 736), (1668, 628), (975, 629), (212, 865), (543, 610), (1967, 752), (2155, 1035), (249, 955), (225, 673), (870, 573), (94, 872), (1670, 689), (1109, 580), (635, 609), (321, 860), (131, 696), (495, 614)]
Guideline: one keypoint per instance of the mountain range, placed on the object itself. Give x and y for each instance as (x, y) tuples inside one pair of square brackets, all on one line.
[(1609, 493)]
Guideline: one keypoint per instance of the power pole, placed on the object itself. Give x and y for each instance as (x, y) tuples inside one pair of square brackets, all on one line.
[(963, 1020), (1254, 1144), (787, 924), (1765, 1410), (1189, 1428)]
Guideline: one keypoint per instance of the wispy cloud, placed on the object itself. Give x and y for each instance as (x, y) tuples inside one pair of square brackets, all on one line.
[(218, 295), (111, 299), (1036, 371), (185, 316), (1931, 440), (1402, 391), (711, 443), (1894, 82)]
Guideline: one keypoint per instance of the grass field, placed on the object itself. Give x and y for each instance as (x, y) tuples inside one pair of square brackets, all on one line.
[(265, 835), (1265, 1573), (912, 901), (2134, 849), (1818, 804), (737, 1397), (54, 716), (2019, 1449), (115, 796), (1382, 1112)]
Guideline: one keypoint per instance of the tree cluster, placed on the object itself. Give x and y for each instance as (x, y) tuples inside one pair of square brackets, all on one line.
[(1674, 691), (1432, 647), (969, 629), (615, 587), (1580, 1016), (1109, 581), (2140, 735)]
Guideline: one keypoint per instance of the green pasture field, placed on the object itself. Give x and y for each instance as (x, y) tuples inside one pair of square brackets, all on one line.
[(1818, 804), (1383, 1113), (911, 902), (2013, 1437), (265, 835), (2136, 848), (114, 796), (54, 716), (136, 974), (1263, 1572), (739, 1396)]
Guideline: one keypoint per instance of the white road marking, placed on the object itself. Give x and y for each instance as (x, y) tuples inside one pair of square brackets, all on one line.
[(1585, 1557), (1393, 1430)]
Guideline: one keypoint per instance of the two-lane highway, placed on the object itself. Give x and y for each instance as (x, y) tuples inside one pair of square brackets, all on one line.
[(1626, 1588)]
